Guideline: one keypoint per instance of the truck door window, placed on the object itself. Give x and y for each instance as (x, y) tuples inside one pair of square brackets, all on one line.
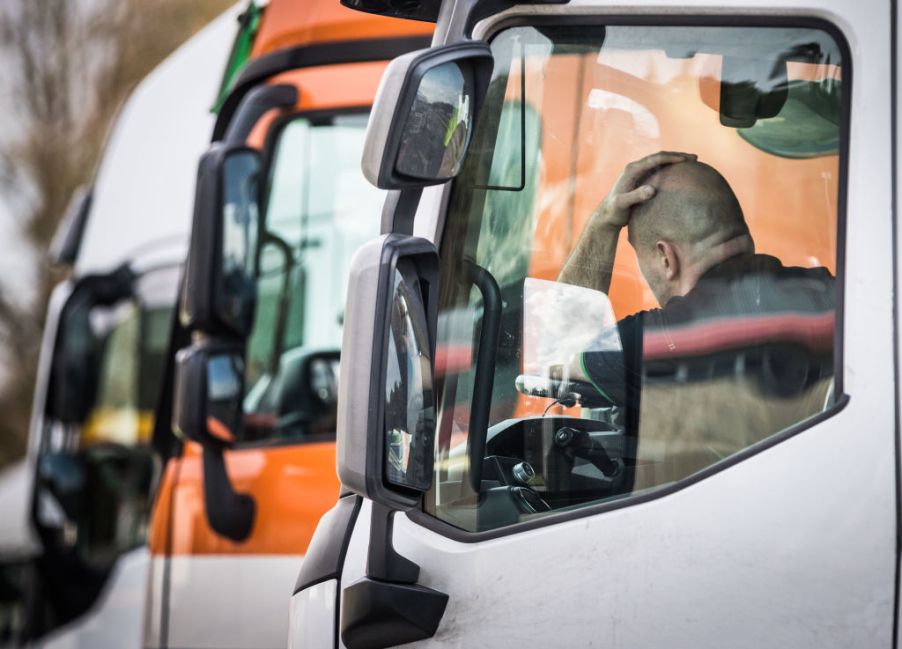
[(705, 327), (319, 210)]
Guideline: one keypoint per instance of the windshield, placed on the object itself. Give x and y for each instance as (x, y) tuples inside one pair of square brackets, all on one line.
[(660, 312), (319, 210)]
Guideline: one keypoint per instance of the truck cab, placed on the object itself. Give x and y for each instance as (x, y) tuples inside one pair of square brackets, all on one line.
[(93, 461), (532, 460), (253, 364)]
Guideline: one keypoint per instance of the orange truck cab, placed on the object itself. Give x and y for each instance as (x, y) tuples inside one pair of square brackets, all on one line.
[(250, 385)]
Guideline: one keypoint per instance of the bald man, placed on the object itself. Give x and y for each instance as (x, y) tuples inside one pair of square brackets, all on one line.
[(758, 333)]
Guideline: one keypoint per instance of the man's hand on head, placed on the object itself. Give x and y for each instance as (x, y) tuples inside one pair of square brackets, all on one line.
[(614, 211), (591, 262)]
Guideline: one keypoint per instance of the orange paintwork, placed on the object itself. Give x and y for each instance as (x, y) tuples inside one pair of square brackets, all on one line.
[(317, 90), (291, 23), (293, 486)]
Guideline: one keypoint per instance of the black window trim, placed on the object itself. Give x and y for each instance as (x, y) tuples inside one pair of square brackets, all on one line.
[(439, 526)]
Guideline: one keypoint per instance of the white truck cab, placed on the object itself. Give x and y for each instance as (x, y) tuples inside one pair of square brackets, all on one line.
[(93, 463), (595, 395)]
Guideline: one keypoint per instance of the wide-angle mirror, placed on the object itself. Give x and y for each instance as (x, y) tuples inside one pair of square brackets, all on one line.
[(438, 125), (431, 99)]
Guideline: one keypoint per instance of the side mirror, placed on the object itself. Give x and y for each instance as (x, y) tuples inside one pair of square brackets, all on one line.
[(386, 443), (424, 115), (75, 364), (209, 390), (220, 288)]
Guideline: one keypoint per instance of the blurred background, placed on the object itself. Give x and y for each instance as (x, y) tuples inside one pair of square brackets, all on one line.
[(67, 67)]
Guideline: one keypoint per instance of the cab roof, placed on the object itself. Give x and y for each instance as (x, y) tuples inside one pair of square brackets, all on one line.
[(289, 23)]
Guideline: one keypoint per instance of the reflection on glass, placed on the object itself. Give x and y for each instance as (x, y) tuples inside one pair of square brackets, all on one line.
[(225, 374), (409, 413), (224, 377), (437, 130), (607, 394), (240, 218)]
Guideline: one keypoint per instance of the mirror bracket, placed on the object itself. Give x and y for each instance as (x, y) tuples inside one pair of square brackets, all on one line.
[(229, 513), (383, 562), (387, 607), (399, 210)]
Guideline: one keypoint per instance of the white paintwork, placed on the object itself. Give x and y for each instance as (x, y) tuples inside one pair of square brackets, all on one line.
[(793, 547), (312, 617), (117, 618), (16, 537), (153, 618), (250, 613), (144, 190)]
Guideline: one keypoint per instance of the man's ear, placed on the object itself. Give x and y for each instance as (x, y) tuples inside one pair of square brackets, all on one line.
[(668, 259)]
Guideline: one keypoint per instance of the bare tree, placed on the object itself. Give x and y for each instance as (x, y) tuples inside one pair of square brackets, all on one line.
[(70, 65)]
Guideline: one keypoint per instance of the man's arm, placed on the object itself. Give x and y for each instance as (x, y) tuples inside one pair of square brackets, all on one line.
[(591, 264)]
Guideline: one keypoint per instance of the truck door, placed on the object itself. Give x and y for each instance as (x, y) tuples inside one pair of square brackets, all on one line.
[(699, 480)]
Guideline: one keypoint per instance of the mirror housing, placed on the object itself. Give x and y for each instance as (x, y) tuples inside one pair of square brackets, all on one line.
[(219, 296), (75, 363), (419, 132), (386, 443), (209, 393)]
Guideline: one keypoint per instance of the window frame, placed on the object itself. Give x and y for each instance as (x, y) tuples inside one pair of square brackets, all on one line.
[(419, 516)]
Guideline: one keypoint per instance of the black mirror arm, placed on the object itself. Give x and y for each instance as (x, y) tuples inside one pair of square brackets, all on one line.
[(257, 102), (229, 513), (399, 209), (484, 379), (383, 562), (387, 607)]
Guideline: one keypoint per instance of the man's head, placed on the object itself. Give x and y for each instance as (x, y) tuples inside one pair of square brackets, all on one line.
[(692, 222)]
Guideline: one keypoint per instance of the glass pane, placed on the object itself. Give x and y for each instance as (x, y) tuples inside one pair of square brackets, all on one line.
[(659, 313), (409, 412), (320, 209), (240, 219), (437, 131)]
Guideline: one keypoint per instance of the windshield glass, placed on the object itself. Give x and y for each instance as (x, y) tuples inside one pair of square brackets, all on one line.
[(660, 312), (319, 210)]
